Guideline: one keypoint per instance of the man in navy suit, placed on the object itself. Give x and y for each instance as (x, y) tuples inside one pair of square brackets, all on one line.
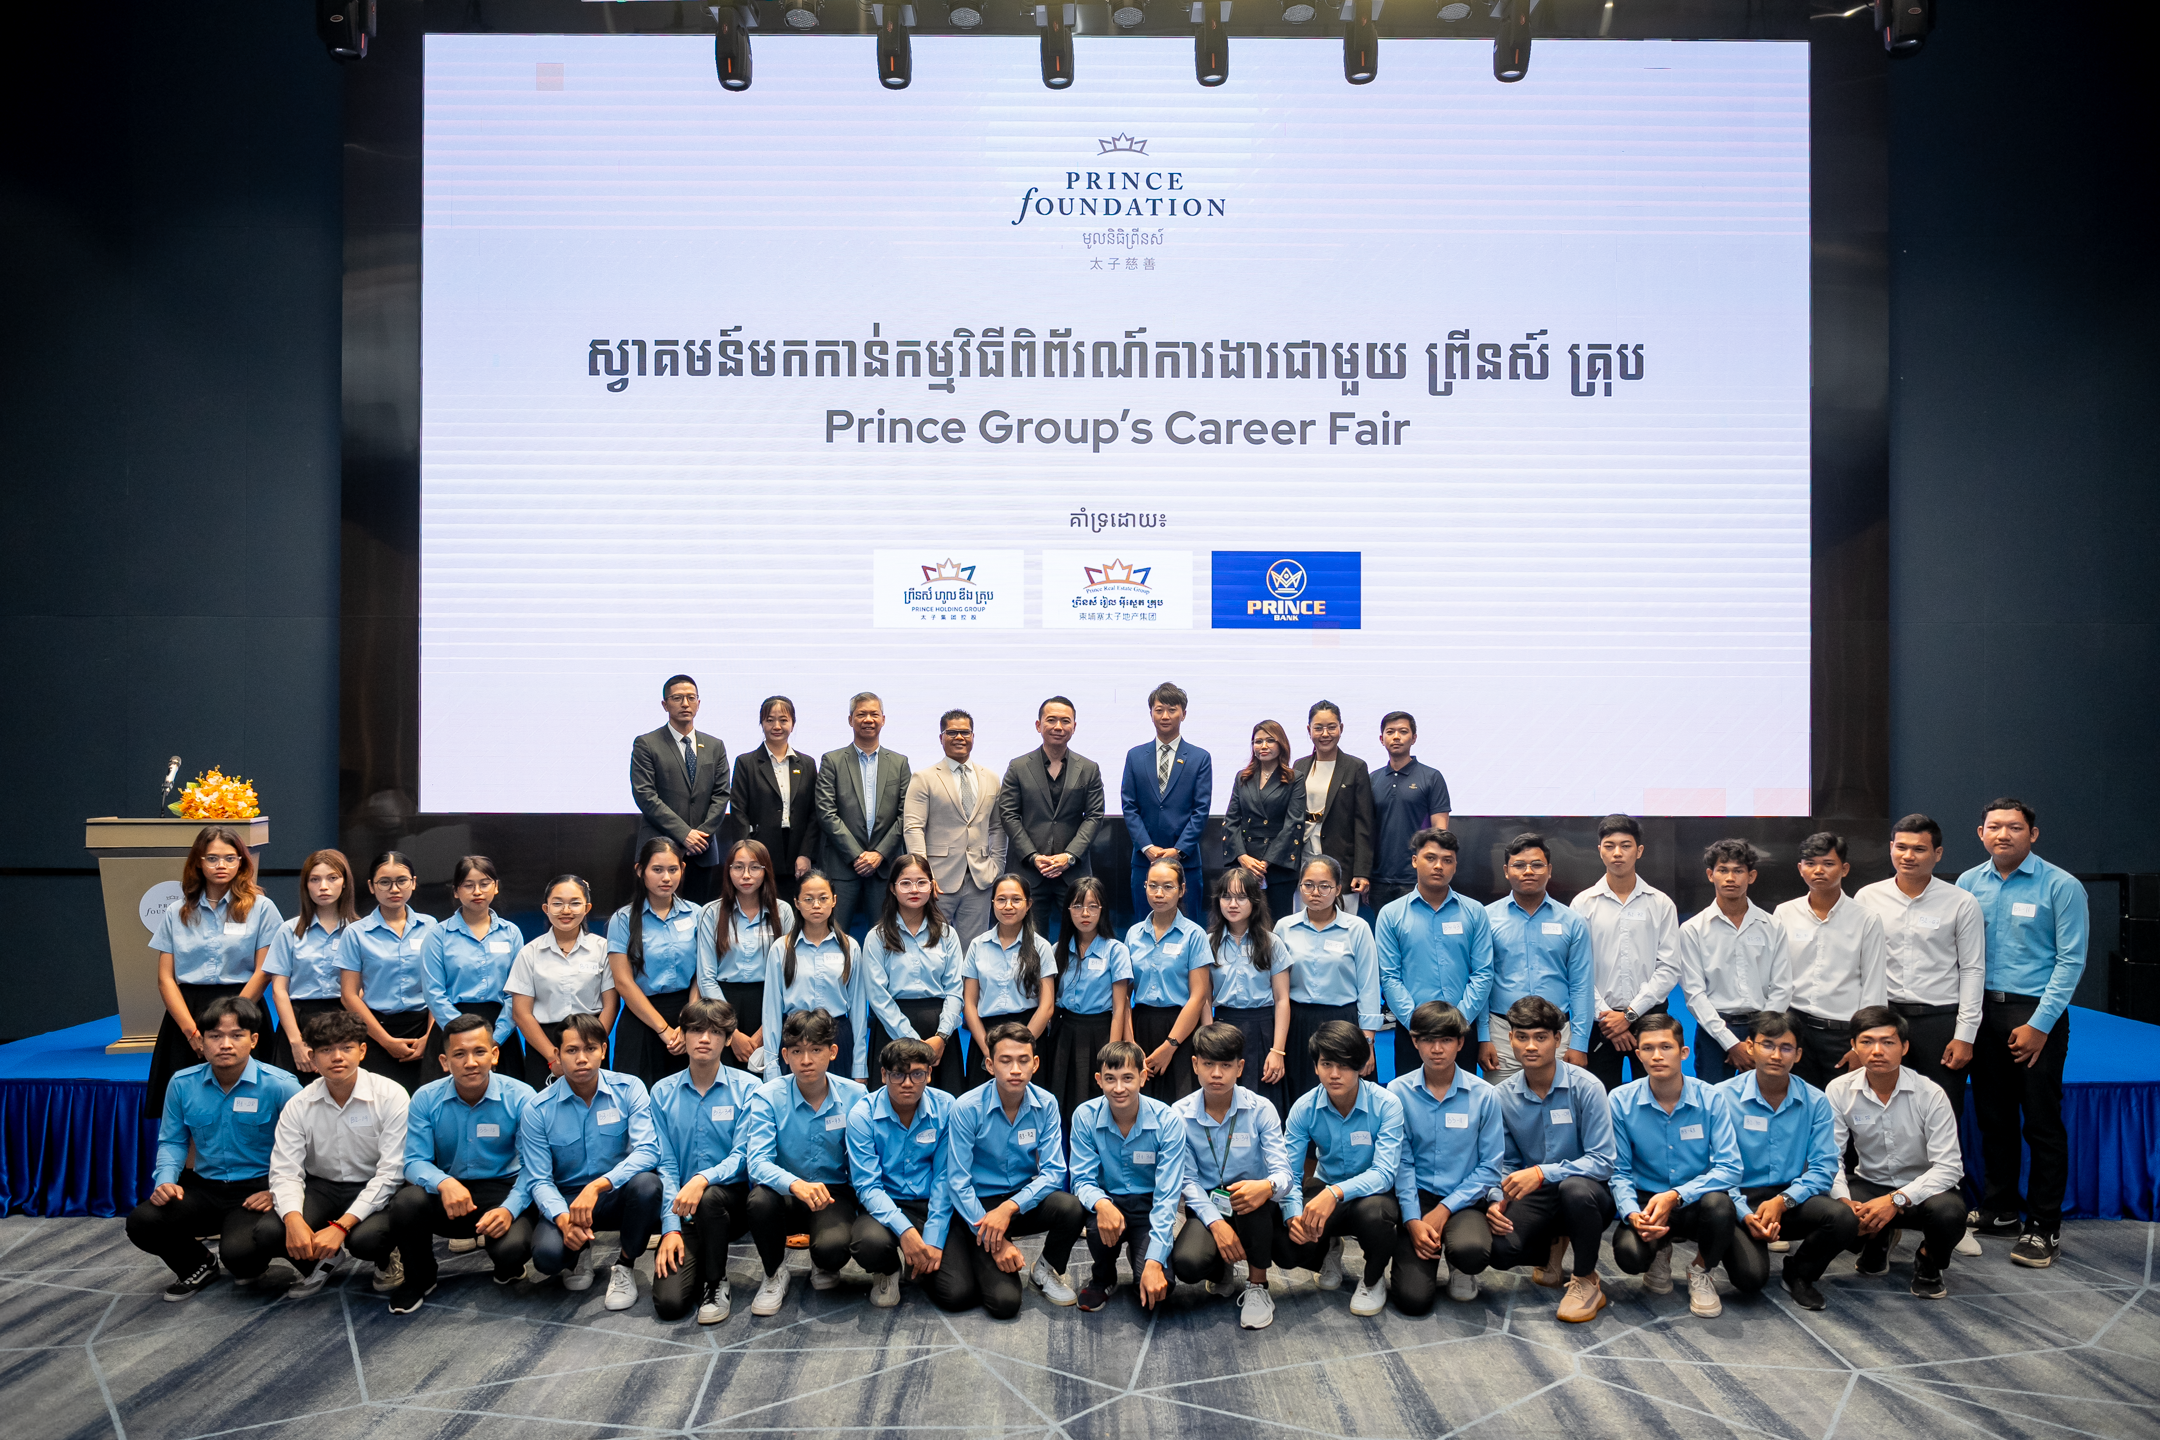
[(1169, 783)]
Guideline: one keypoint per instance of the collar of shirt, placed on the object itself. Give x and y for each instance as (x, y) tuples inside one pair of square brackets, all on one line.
[(1417, 897), (1805, 905), (608, 1087), (985, 1098), (1756, 915), (1519, 1084), (1888, 890), (804, 945), (2030, 865), (249, 1073), (1515, 904), (1420, 1087), (680, 907), (1304, 918), (457, 922), (1751, 1092), (586, 940), (1603, 890), (373, 920), (796, 1100), (1694, 1095), (1367, 1103), (315, 923), (1194, 1107), (1143, 931), (958, 767), (676, 737), (1866, 1091), (866, 757), (881, 1108), (1145, 1120), (368, 1089)]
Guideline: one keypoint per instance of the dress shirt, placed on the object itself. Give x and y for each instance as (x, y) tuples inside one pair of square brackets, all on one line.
[(1358, 1152), (1233, 983), (818, 986), (389, 963), (214, 948), (1569, 1132), (670, 945), (913, 973), (1404, 802), (1247, 1144), (866, 767), (1149, 1161), (457, 967), (1162, 967), (1794, 1145), (1452, 1143), (995, 969), (700, 1133), (308, 962), (361, 1142), (1435, 953), (232, 1129), (685, 750), (748, 942), (1635, 944), (1165, 759), (1086, 986), (1546, 952), (1937, 948), (785, 1138), (445, 1138), (2036, 931), (1693, 1150), (1839, 963), (565, 1143), (1911, 1143), (782, 783), (988, 1154), (891, 1162), (1333, 964), (561, 985), (1733, 967)]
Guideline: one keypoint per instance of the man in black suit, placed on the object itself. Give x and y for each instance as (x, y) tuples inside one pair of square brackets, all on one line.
[(1051, 803), (861, 796), (679, 776), (775, 797), (1338, 802)]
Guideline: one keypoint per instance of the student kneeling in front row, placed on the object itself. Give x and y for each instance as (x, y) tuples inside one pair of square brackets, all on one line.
[(704, 1185), (1357, 1129), (1237, 1172), (1453, 1140), (1128, 1166), (588, 1149), (897, 1153), (1898, 1127), (795, 1143), (1675, 1163), (1788, 1160)]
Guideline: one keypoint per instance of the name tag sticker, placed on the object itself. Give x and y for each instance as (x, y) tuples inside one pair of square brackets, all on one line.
[(836, 1122), (488, 1132), (1336, 947), (1097, 964), (1691, 1132), (239, 927), (1173, 947), (723, 1112), (2021, 910), (1756, 1122), (1554, 927), (1361, 1137), (1451, 927), (928, 1137), (498, 947), (1024, 1137), (1927, 922), (1143, 1157), (1457, 1121), (243, 1104), (1563, 1117), (1241, 1142), (607, 1117)]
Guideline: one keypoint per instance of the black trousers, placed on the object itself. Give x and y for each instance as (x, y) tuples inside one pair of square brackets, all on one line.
[(169, 1231), (1940, 1221), (1608, 1063), (969, 1277), (417, 1217), (321, 1202), (723, 1217), (1197, 1260), (632, 1209), (1824, 1227), (1706, 1220), (1711, 1062), (1373, 1219), (1298, 1074), (1466, 1241), (1383, 894), (2007, 1095), (1932, 1028), (1576, 1209), (640, 1051), (1133, 1241), (774, 1217), (1823, 1043), (875, 1247)]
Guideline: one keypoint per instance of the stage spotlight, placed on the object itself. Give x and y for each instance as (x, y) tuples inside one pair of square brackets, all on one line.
[(1127, 15), (1360, 45), (895, 61), (1296, 12), (1211, 42), (345, 26), (731, 46), (1904, 24), (1057, 47), (1511, 47), (1454, 11), (802, 14), (965, 16)]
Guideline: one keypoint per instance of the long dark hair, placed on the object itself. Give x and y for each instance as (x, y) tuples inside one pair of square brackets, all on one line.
[(347, 911), (888, 926), (768, 897), (1283, 771), (1083, 887), (1028, 974), (241, 892), (635, 949), (847, 956), (1259, 931)]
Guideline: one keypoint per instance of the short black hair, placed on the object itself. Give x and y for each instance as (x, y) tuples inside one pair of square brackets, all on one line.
[(1445, 839), (1528, 840), (1403, 715), (1769, 1024), (900, 1056), (1341, 1042), (673, 680), (1219, 1041), (464, 1024), (814, 1028), (333, 1027), (249, 1013), (1735, 852), (1660, 1020), (1918, 824), (1438, 1020), (1821, 843), (765, 707), (1121, 1055), (1011, 1030), (1535, 1012), (1620, 825), (1879, 1017), (588, 1029), (1318, 705), (951, 715), (2011, 802), (1166, 694), (717, 1016), (1057, 700)]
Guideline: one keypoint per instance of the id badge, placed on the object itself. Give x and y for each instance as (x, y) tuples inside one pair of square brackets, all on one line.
[(1222, 1199)]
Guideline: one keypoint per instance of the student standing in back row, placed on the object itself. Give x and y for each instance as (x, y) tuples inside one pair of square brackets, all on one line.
[(1634, 943), (1168, 786), (1733, 963), (380, 956), (1407, 798), (465, 961), (1540, 948), (1838, 961), (1936, 943), (303, 969), (652, 962), (211, 945), (558, 977), (1170, 965), (1434, 946)]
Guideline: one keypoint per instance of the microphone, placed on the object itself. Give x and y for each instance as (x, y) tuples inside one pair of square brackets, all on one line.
[(172, 770)]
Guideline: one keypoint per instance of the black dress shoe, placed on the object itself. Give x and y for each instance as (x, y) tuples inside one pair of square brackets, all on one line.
[(1875, 1256), (1803, 1292)]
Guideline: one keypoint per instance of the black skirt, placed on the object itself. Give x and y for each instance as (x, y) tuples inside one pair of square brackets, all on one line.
[(1152, 1025), (978, 1064), (949, 1074), (748, 998), (173, 1053), (1306, 1017), (1258, 1027), (488, 1010), (641, 1052), (404, 1025), (1075, 1041), (536, 1070), (281, 1047)]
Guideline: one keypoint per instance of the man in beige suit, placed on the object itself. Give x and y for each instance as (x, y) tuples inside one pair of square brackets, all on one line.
[(951, 816)]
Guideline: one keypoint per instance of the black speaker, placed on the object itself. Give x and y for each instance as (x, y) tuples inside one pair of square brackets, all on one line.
[(2144, 896), (2133, 990), (2140, 942), (345, 27)]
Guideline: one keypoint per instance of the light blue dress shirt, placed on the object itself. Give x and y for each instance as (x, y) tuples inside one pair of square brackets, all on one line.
[(1088, 985), (700, 1133), (995, 969), (2037, 927), (891, 1162), (1162, 968), (818, 986), (308, 962), (785, 1138), (1452, 1143), (1358, 1151), (913, 973), (988, 1154), (1246, 1145), (748, 942), (564, 1143), (457, 968), (1567, 1133), (214, 948), (1691, 1151), (1435, 954), (866, 766), (1546, 954), (445, 1137), (671, 945), (1335, 964), (233, 1130), (1234, 984), (389, 964), (1794, 1145), (1149, 1161)]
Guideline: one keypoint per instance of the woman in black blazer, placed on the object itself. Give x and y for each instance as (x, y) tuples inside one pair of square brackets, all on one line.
[(1264, 828), (785, 826)]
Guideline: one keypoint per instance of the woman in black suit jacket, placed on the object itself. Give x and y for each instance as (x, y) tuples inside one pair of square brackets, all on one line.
[(1263, 827), (759, 807)]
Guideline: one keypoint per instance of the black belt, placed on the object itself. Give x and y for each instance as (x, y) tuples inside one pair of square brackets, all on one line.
[(1912, 1011), (1750, 1016), (1816, 1022), (2004, 997)]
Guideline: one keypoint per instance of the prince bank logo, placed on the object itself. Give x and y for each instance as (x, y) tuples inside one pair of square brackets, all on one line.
[(1286, 580), (1267, 590)]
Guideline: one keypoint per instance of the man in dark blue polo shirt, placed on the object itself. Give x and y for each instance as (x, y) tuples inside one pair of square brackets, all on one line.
[(1407, 798)]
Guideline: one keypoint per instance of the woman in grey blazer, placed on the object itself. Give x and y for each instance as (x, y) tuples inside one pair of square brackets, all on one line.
[(1266, 821)]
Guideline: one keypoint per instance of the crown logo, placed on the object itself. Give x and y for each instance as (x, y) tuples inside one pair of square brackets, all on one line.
[(1117, 572), (1119, 144), (947, 570)]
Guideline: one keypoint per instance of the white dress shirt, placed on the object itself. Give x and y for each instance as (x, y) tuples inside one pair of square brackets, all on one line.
[(1838, 962), (561, 985), (1937, 947), (362, 1140), (781, 783), (1634, 944), (1911, 1143), (1730, 967)]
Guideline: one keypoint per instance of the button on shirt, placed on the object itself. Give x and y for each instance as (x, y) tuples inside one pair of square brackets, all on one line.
[(232, 1129), (1692, 1150), (1358, 1152), (1545, 952), (1936, 946), (1404, 802), (891, 1162), (308, 962), (786, 1138), (866, 766), (913, 973), (1333, 964), (458, 967), (1635, 944), (818, 986), (748, 942), (1568, 1132), (1793, 1145), (389, 963), (700, 1133), (1910, 1143), (1430, 952), (995, 969), (361, 1142), (447, 1138), (783, 783), (2036, 930), (1838, 963), (1727, 967), (989, 1154), (1246, 1144), (1234, 983), (1149, 1161), (561, 985), (669, 945), (564, 1143), (1086, 985), (216, 947), (1452, 1143), (1162, 966)]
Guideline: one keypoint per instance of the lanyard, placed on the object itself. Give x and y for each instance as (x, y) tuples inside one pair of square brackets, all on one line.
[(1223, 1159)]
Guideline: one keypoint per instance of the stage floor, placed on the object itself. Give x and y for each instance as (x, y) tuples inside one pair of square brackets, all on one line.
[(87, 1348)]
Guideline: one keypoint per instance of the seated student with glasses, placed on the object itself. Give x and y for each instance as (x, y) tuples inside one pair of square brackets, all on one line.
[(1357, 1128), (561, 975), (704, 1182), (1237, 1172), (1675, 1158), (795, 1142), (1453, 1140), (1788, 1158), (1128, 1163), (896, 1156), (588, 1149), (380, 955)]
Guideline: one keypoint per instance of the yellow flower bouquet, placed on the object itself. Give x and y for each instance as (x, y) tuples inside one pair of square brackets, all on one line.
[(217, 796)]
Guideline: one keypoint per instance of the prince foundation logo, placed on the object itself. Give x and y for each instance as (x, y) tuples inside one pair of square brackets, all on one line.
[(1123, 144), (1130, 194)]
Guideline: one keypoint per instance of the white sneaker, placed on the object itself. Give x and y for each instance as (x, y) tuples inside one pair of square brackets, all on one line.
[(579, 1275), (1658, 1278), (1370, 1298), (1462, 1286), (313, 1282), (389, 1277), (1053, 1286), (1702, 1296), (772, 1294), (1780, 1247), (464, 1247), (1235, 1281), (885, 1290), (621, 1287), (1257, 1310), (824, 1279), (1970, 1245), (716, 1306), (1331, 1267)]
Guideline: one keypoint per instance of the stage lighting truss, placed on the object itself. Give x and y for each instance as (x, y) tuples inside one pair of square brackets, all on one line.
[(895, 58), (1056, 23), (1211, 42)]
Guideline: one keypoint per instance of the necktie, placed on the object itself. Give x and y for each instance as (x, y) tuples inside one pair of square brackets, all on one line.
[(967, 792), (689, 758), (1162, 767)]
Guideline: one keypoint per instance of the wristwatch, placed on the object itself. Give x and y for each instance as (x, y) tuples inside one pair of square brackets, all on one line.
[(1900, 1199), (1632, 1016)]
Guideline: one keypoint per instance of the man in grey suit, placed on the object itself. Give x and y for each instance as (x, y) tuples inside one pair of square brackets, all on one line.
[(679, 777), (1050, 806), (861, 792), (952, 817)]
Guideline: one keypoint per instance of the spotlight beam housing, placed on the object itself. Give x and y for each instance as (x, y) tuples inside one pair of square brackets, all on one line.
[(1211, 43), (1057, 45), (895, 57), (345, 27), (1360, 44), (1511, 47), (731, 48)]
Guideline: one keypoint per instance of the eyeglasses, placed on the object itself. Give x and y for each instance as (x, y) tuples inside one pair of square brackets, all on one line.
[(393, 882), (1317, 887), (958, 734), (221, 859), (746, 867), (1162, 887), (577, 904), (917, 1076)]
